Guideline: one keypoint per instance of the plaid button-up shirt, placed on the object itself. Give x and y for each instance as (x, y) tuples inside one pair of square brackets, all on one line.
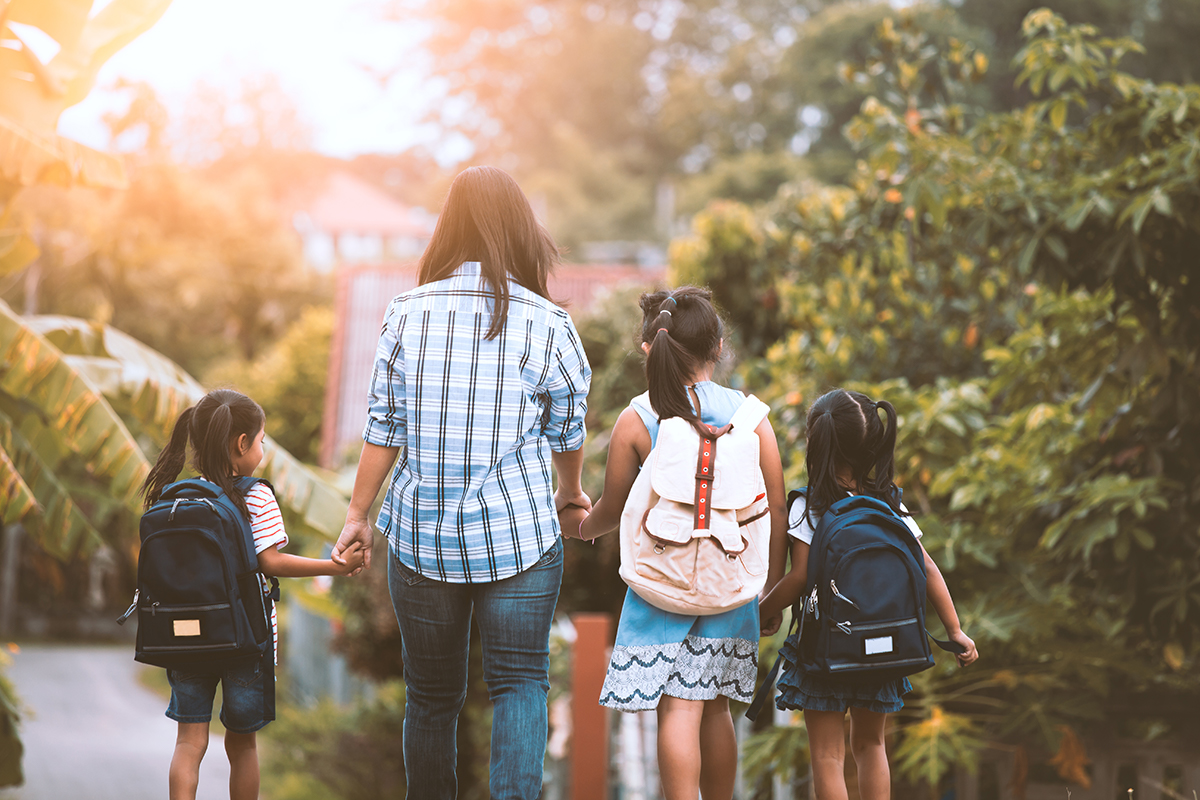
[(471, 498)]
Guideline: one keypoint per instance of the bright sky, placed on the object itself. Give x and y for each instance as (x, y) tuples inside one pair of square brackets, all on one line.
[(321, 50)]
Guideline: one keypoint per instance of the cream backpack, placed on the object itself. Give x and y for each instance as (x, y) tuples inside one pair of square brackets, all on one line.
[(695, 531)]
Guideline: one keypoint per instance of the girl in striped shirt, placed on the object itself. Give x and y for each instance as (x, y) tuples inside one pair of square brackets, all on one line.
[(226, 431)]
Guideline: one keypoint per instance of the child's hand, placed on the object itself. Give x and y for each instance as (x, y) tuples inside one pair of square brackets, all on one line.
[(353, 558), (769, 626), (570, 518), (562, 500), (971, 653)]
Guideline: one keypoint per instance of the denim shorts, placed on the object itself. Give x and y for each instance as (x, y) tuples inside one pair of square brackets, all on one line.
[(242, 702)]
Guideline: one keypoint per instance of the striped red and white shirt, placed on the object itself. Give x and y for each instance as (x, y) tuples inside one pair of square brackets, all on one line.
[(266, 523)]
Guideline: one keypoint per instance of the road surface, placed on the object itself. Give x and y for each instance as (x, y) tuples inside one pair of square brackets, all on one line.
[(93, 732)]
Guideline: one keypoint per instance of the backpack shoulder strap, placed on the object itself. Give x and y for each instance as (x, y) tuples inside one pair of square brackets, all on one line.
[(796, 494), (247, 482), (190, 487), (750, 413)]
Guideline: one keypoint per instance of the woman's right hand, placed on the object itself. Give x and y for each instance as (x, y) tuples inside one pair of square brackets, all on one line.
[(570, 519), (356, 531)]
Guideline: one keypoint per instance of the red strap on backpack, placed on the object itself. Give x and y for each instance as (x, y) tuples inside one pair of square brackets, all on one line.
[(704, 472)]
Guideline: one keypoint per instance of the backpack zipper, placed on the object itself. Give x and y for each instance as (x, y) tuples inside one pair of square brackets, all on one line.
[(836, 593), (132, 607), (844, 627)]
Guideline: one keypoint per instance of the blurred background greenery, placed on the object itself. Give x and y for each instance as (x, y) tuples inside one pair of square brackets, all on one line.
[(983, 212)]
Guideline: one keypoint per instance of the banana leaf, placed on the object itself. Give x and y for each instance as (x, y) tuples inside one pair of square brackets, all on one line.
[(60, 525), (34, 371), (153, 390)]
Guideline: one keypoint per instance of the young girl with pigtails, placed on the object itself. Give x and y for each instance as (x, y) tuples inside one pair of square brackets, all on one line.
[(685, 667), (850, 451), (225, 431)]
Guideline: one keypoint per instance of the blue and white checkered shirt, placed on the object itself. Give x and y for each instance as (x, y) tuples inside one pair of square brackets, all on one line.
[(472, 499)]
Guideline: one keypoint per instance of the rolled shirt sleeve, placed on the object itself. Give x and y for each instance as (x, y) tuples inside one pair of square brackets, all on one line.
[(387, 420), (567, 388)]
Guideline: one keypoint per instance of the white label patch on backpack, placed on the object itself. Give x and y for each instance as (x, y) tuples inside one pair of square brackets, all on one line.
[(187, 627), (880, 644)]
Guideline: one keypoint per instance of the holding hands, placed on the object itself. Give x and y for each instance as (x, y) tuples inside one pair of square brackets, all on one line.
[(354, 545), (349, 560), (572, 510)]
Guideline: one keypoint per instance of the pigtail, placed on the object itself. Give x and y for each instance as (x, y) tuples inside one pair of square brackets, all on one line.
[(212, 454), (883, 482), (170, 461), (821, 458), (669, 368), (683, 332)]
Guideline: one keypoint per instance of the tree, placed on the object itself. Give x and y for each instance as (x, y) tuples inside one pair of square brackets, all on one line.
[(1018, 285), (32, 96), (288, 381)]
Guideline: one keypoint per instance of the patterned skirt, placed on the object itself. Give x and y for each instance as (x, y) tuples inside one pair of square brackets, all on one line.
[(692, 658), (800, 690)]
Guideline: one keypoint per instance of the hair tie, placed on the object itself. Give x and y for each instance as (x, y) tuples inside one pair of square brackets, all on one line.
[(671, 299), (665, 311), (662, 330)]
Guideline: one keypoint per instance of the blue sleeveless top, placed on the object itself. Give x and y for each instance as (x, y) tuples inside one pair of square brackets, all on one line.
[(718, 404)]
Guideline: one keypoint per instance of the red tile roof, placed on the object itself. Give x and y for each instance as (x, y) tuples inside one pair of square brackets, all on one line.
[(348, 204)]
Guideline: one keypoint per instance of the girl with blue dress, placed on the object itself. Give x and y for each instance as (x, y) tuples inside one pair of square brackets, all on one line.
[(684, 667)]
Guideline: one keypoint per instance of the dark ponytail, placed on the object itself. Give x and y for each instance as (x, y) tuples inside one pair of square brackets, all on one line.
[(684, 333), (845, 433), (883, 481), (171, 460), (212, 426)]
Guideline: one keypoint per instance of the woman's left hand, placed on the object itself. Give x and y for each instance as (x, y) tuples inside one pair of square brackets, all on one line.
[(355, 532)]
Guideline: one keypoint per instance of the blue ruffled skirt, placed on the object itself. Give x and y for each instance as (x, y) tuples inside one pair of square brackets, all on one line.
[(689, 657), (800, 690)]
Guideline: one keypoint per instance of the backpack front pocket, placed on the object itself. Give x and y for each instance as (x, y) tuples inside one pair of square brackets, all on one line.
[(186, 605), (188, 627), (662, 560)]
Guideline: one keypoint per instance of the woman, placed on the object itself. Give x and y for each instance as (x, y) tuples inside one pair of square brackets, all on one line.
[(480, 386)]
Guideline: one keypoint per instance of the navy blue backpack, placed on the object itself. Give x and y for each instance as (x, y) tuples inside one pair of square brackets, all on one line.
[(199, 599), (862, 617)]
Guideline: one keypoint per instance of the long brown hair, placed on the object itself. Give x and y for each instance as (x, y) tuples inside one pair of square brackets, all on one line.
[(684, 333), (488, 219), (212, 425)]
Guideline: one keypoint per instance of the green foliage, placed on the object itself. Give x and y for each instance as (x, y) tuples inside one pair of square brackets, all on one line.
[(1019, 286), (288, 381), (728, 255), (11, 748), (936, 745), (179, 250), (329, 753)]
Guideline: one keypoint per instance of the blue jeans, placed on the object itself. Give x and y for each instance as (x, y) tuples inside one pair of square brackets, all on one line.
[(435, 625)]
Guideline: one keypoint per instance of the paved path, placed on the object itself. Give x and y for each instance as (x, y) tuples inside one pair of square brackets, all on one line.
[(94, 732)]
